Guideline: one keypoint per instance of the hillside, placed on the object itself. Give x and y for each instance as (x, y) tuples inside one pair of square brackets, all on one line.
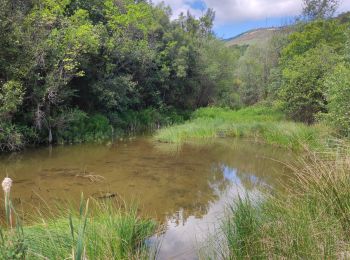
[(254, 36)]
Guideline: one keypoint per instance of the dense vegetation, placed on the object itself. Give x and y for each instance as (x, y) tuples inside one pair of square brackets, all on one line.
[(99, 230), (299, 87), (259, 124), (73, 71), (302, 72), (292, 69), (70, 69)]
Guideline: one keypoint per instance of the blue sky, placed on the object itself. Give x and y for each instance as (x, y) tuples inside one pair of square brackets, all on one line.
[(231, 29), (236, 16)]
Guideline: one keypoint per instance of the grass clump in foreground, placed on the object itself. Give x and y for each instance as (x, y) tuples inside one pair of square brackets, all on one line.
[(98, 231), (259, 123), (310, 221)]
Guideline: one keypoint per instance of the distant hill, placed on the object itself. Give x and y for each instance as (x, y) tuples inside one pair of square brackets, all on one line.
[(261, 35)]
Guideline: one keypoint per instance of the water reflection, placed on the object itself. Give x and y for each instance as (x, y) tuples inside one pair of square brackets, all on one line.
[(184, 188), (185, 233)]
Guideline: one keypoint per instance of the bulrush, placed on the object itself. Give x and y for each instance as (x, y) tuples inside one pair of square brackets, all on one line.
[(6, 185)]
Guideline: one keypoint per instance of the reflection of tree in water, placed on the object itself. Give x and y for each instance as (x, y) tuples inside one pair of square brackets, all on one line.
[(222, 178), (245, 168)]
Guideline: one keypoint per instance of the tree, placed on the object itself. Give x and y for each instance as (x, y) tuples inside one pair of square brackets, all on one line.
[(250, 72), (310, 35), (303, 92), (11, 97), (319, 9), (63, 60)]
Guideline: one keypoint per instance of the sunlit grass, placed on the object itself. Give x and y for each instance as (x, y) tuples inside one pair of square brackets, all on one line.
[(261, 124), (97, 230)]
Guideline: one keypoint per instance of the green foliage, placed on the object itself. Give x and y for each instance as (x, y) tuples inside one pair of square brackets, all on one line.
[(147, 120), (257, 72), (11, 96), (251, 75), (240, 230), (303, 91), (116, 93), (308, 220), (12, 246), (308, 58), (312, 35), (216, 72), (10, 138), (259, 123), (100, 230), (104, 57), (109, 232), (338, 97), (84, 128)]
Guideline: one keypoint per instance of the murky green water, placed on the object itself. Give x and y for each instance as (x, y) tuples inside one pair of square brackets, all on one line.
[(186, 189)]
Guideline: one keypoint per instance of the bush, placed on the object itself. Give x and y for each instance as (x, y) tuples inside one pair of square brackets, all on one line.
[(84, 128), (11, 96), (10, 138), (303, 91), (148, 119), (338, 85)]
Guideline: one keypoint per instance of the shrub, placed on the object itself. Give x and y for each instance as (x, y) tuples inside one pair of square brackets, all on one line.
[(11, 96), (82, 127), (10, 138), (338, 96), (309, 219), (303, 91), (147, 120)]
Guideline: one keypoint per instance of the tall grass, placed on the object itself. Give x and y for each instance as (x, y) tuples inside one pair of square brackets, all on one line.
[(261, 124), (309, 221), (98, 230)]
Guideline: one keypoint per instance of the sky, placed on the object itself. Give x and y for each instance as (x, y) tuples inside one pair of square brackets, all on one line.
[(237, 16)]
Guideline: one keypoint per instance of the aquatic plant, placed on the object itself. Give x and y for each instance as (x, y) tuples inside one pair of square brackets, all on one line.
[(99, 230), (6, 186), (12, 244), (259, 124), (309, 220), (103, 230)]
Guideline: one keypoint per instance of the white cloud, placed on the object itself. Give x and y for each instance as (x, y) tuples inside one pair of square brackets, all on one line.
[(180, 6), (244, 10)]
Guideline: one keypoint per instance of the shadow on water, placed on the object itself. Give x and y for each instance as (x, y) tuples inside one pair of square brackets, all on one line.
[(185, 188)]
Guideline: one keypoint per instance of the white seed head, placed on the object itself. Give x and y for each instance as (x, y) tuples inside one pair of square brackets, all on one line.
[(6, 185)]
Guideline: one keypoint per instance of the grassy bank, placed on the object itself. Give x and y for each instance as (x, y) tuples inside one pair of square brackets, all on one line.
[(310, 221), (96, 231), (261, 124)]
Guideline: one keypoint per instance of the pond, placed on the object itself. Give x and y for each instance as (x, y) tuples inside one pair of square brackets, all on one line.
[(186, 188)]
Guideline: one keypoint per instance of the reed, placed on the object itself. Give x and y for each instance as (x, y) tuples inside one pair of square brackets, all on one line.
[(310, 220), (259, 124), (97, 230)]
